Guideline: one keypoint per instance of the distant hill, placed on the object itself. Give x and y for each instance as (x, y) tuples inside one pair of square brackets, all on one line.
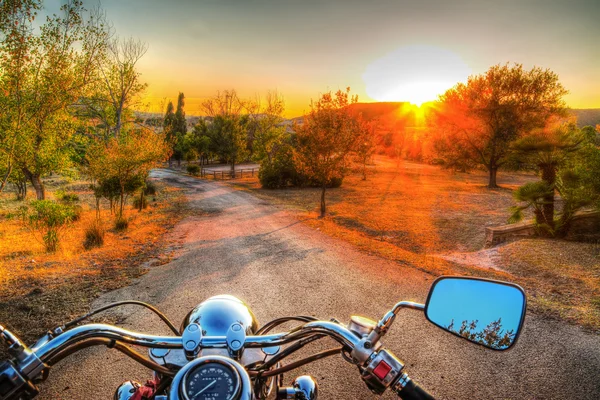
[(396, 111), (587, 116)]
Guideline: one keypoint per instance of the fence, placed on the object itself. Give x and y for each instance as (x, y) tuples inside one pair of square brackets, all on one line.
[(228, 174)]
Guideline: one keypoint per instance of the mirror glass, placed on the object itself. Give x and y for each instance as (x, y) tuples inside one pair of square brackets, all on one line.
[(484, 312)]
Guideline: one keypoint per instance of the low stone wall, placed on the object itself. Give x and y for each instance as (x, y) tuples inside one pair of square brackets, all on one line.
[(586, 226)]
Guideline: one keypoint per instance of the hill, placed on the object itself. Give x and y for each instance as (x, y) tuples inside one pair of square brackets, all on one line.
[(396, 111), (587, 116)]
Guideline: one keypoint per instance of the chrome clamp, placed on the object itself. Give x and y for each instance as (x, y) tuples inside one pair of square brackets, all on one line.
[(382, 371), (192, 339)]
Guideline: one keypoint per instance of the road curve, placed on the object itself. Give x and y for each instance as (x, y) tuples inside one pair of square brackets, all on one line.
[(240, 245)]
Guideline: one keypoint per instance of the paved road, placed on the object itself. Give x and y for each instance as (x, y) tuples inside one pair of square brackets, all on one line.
[(240, 245)]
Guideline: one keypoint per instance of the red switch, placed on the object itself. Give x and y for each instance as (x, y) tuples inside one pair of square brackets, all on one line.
[(382, 370)]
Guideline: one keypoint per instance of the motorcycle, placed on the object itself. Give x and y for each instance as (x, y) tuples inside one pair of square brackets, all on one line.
[(220, 352)]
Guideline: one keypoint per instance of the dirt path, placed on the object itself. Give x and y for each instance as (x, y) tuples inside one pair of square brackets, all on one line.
[(239, 245)]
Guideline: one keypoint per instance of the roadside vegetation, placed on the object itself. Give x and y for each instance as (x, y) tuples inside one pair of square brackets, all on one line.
[(39, 289), (68, 90)]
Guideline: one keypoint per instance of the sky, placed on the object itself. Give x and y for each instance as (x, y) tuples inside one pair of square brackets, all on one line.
[(383, 49)]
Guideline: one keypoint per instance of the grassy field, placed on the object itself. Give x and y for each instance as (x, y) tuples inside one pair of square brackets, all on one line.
[(435, 220), (39, 290)]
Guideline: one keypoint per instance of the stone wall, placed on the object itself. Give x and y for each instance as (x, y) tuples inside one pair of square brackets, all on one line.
[(586, 226)]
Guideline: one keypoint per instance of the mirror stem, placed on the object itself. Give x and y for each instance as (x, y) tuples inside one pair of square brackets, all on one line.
[(388, 319)]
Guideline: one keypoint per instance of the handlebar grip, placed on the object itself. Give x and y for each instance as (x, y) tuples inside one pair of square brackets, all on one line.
[(412, 391)]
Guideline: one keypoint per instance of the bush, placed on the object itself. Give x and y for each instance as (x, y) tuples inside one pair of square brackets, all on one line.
[(193, 169), (121, 223), (280, 172), (48, 218), (67, 197), (94, 235), (77, 211), (140, 201), (150, 189)]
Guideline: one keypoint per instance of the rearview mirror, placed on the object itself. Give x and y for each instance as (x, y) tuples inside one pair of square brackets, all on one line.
[(485, 312)]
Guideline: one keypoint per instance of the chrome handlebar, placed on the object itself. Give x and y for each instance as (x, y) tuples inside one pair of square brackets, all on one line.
[(47, 349), (32, 363)]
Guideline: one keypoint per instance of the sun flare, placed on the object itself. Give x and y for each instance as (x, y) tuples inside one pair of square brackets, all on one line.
[(416, 74)]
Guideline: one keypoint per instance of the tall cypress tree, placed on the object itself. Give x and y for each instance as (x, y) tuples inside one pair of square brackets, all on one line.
[(180, 123), (168, 125), (179, 128)]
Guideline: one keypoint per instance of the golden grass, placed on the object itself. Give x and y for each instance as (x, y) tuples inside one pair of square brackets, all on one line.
[(39, 289), (416, 214)]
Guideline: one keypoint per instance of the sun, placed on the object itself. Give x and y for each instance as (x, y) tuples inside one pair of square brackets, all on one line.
[(416, 74)]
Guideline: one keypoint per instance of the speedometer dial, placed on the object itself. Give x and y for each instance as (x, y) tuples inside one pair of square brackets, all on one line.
[(211, 381)]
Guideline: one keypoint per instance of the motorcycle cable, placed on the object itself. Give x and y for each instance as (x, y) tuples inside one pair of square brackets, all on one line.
[(289, 350), (296, 364), (276, 322), (111, 344), (118, 304)]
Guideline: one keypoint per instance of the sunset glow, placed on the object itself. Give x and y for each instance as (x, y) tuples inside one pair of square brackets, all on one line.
[(414, 73)]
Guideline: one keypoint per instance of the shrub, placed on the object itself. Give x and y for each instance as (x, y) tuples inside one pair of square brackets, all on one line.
[(67, 197), (280, 172), (94, 235), (150, 189), (48, 218), (193, 169), (140, 203), (77, 211), (121, 223)]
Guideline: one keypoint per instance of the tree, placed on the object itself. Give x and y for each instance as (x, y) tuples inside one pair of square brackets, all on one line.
[(548, 151), (169, 130), (125, 161), (269, 129), (365, 144), (326, 139), (179, 129), (120, 84), (228, 130), (199, 141), (44, 71), (478, 121)]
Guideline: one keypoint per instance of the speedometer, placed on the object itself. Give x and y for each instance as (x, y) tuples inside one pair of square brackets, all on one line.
[(211, 381)]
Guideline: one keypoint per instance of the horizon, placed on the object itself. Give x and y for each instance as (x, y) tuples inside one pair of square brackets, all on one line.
[(385, 50)]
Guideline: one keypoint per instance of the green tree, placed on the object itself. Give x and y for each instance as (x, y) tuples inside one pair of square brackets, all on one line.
[(326, 139), (169, 130), (199, 141), (179, 130), (550, 152), (479, 120), (44, 72), (125, 162), (228, 131)]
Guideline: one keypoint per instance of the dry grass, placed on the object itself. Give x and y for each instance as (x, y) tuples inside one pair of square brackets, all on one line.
[(419, 214), (39, 290)]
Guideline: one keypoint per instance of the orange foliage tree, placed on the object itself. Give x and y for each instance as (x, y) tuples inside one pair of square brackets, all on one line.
[(476, 122), (326, 139)]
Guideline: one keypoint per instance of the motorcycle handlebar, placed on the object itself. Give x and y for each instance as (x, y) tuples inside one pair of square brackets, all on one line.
[(412, 391), (96, 331)]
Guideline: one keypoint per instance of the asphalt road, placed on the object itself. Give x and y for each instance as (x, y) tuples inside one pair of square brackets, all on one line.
[(240, 245)]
